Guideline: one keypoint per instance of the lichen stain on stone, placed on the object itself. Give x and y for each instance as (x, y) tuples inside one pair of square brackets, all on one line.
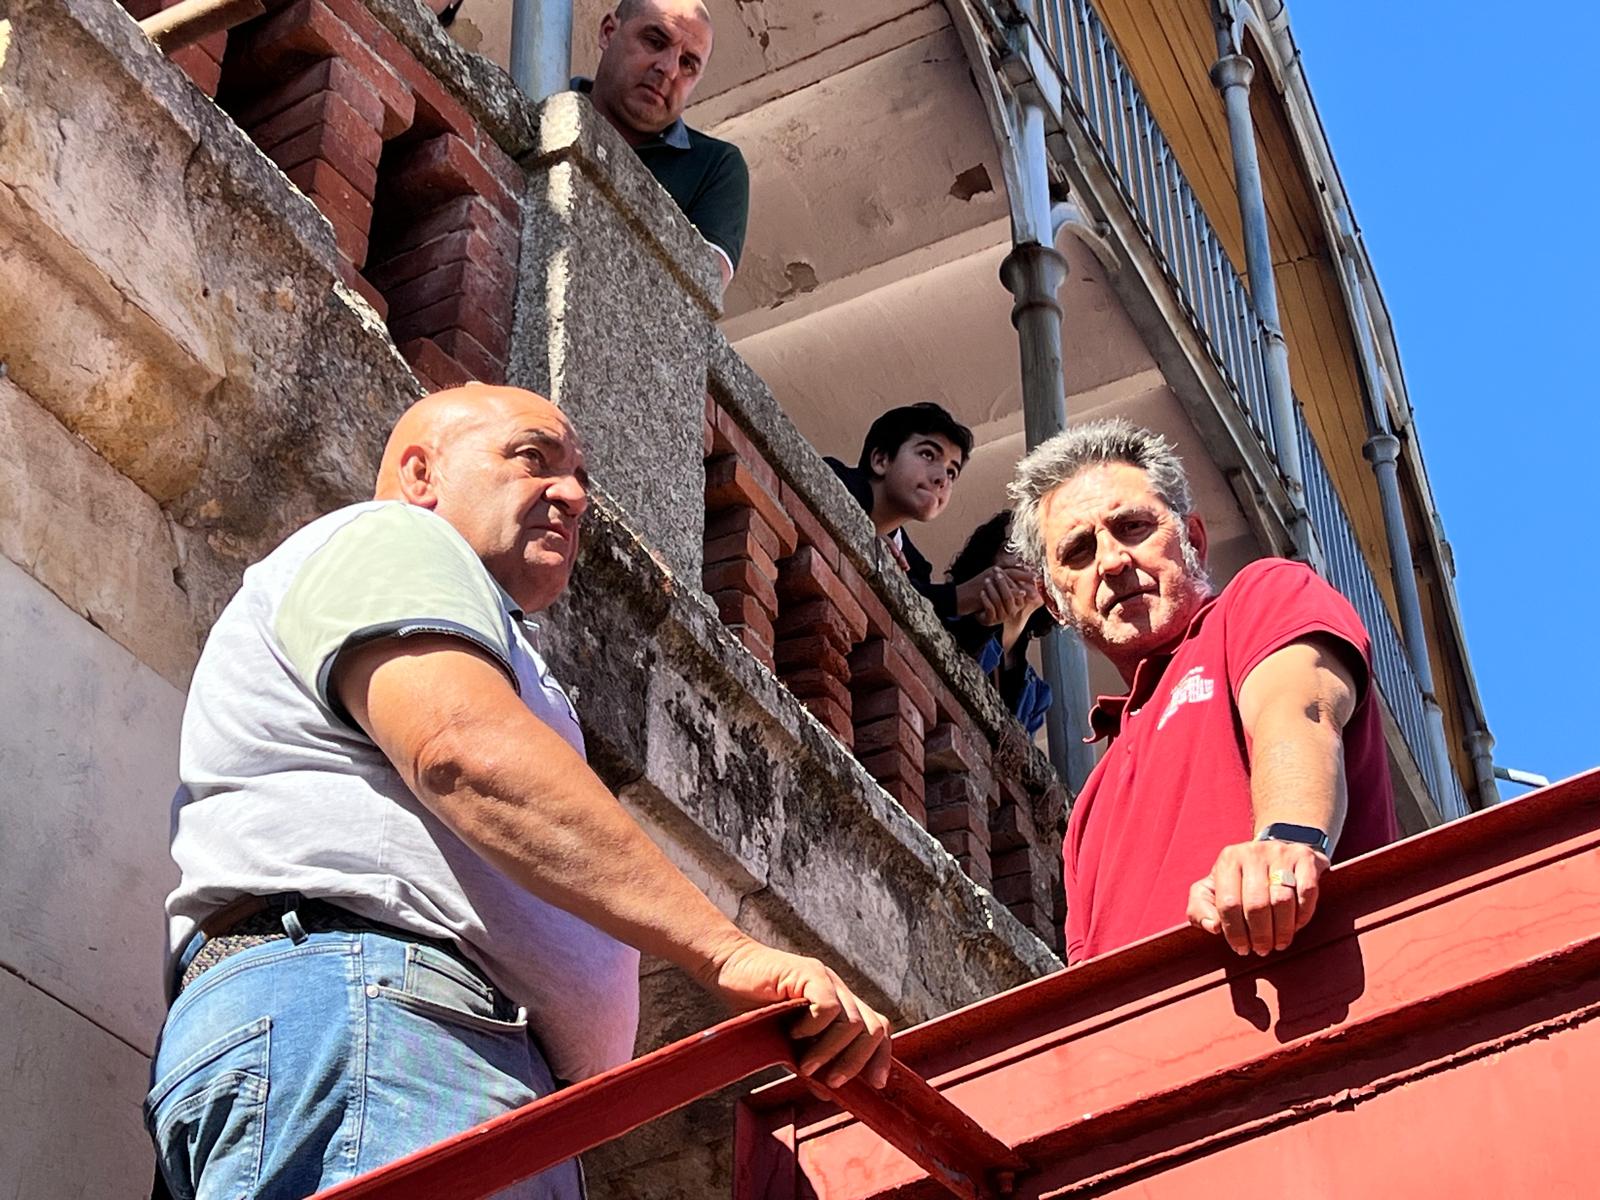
[(558, 283), (974, 181), (364, 311)]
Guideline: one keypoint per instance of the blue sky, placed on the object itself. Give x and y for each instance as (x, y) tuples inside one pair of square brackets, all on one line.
[(1467, 139)]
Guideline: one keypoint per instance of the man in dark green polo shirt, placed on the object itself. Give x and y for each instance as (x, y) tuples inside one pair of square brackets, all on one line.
[(652, 54)]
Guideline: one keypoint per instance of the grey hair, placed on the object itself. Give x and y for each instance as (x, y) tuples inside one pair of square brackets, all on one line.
[(1075, 450)]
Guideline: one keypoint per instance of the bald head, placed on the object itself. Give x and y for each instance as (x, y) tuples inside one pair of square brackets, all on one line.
[(438, 420), (505, 467), (652, 54), (626, 10)]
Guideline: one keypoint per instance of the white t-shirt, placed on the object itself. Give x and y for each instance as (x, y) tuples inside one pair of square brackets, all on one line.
[(281, 791)]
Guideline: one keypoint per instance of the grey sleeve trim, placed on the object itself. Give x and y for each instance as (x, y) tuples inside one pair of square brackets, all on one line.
[(401, 629)]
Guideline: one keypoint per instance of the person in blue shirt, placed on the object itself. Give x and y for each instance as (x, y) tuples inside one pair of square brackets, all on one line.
[(1001, 648)]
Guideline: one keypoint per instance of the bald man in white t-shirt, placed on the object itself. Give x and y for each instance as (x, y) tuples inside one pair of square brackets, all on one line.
[(407, 904)]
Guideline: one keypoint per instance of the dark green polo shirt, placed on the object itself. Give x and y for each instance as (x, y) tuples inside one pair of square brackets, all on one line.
[(705, 175)]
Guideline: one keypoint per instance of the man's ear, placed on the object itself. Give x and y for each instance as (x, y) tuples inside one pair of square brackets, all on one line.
[(1049, 600), (608, 29), (417, 479), (878, 463), (1197, 535)]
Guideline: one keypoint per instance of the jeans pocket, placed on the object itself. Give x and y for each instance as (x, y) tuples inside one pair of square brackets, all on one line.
[(439, 987), (207, 1115)]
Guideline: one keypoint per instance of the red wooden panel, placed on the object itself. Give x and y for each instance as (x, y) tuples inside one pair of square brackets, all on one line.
[(1172, 1067)]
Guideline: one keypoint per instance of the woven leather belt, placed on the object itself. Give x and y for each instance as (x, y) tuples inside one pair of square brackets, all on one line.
[(263, 921)]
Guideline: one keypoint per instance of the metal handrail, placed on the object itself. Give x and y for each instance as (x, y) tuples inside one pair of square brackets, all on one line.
[(958, 1154), (1100, 90)]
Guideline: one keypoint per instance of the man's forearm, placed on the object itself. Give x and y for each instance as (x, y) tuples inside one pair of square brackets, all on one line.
[(546, 821), (1297, 771), (447, 718), (513, 789)]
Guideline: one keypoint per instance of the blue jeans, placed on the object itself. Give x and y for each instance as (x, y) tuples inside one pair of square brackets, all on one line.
[(290, 1067)]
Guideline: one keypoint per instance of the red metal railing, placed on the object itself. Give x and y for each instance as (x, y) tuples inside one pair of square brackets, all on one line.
[(1434, 1031), (908, 1114)]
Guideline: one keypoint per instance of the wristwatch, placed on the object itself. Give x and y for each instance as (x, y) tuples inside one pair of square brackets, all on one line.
[(1304, 835)]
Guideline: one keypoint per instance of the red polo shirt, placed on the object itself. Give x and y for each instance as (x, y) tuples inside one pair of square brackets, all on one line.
[(1174, 787)]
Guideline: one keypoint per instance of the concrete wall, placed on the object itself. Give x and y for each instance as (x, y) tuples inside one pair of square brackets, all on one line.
[(87, 761)]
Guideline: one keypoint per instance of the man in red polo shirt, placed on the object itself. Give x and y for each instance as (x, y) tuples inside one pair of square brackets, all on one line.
[(1249, 746)]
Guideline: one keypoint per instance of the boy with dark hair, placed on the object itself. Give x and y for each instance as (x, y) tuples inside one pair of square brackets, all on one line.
[(909, 463)]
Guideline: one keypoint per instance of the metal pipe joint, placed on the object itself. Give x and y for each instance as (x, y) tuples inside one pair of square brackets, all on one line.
[(1233, 71), (1381, 449)]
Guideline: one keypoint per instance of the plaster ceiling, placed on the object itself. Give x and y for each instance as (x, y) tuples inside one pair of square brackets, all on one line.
[(932, 331), (872, 163)]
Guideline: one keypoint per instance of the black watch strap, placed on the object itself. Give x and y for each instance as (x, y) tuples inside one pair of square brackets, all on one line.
[(1304, 835)]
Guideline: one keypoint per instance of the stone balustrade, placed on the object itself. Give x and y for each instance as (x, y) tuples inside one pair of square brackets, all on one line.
[(819, 609)]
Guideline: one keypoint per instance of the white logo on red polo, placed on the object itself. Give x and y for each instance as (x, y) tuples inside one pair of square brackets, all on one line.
[(1191, 689)]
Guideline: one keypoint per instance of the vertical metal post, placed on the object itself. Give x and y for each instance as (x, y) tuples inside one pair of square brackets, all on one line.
[(1480, 744), (541, 46), (1382, 450), (1034, 272), (1232, 74)]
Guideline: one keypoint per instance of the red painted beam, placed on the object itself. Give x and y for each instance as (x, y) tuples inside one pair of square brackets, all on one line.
[(496, 1154), (1148, 1062), (945, 1143)]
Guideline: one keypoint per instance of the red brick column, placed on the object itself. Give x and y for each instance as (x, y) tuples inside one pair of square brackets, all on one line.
[(450, 206), (450, 258), (819, 623), (1026, 861), (320, 102), (958, 782), (892, 707), (416, 193), (746, 533)]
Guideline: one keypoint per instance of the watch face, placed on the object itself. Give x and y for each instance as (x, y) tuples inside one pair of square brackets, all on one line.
[(1304, 835)]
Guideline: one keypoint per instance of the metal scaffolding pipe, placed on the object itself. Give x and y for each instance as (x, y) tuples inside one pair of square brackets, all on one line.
[(1034, 272), (1525, 778), (541, 46), (1232, 74)]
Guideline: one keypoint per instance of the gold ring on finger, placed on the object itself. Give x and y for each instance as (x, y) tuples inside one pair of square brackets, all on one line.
[(1278, 877)]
